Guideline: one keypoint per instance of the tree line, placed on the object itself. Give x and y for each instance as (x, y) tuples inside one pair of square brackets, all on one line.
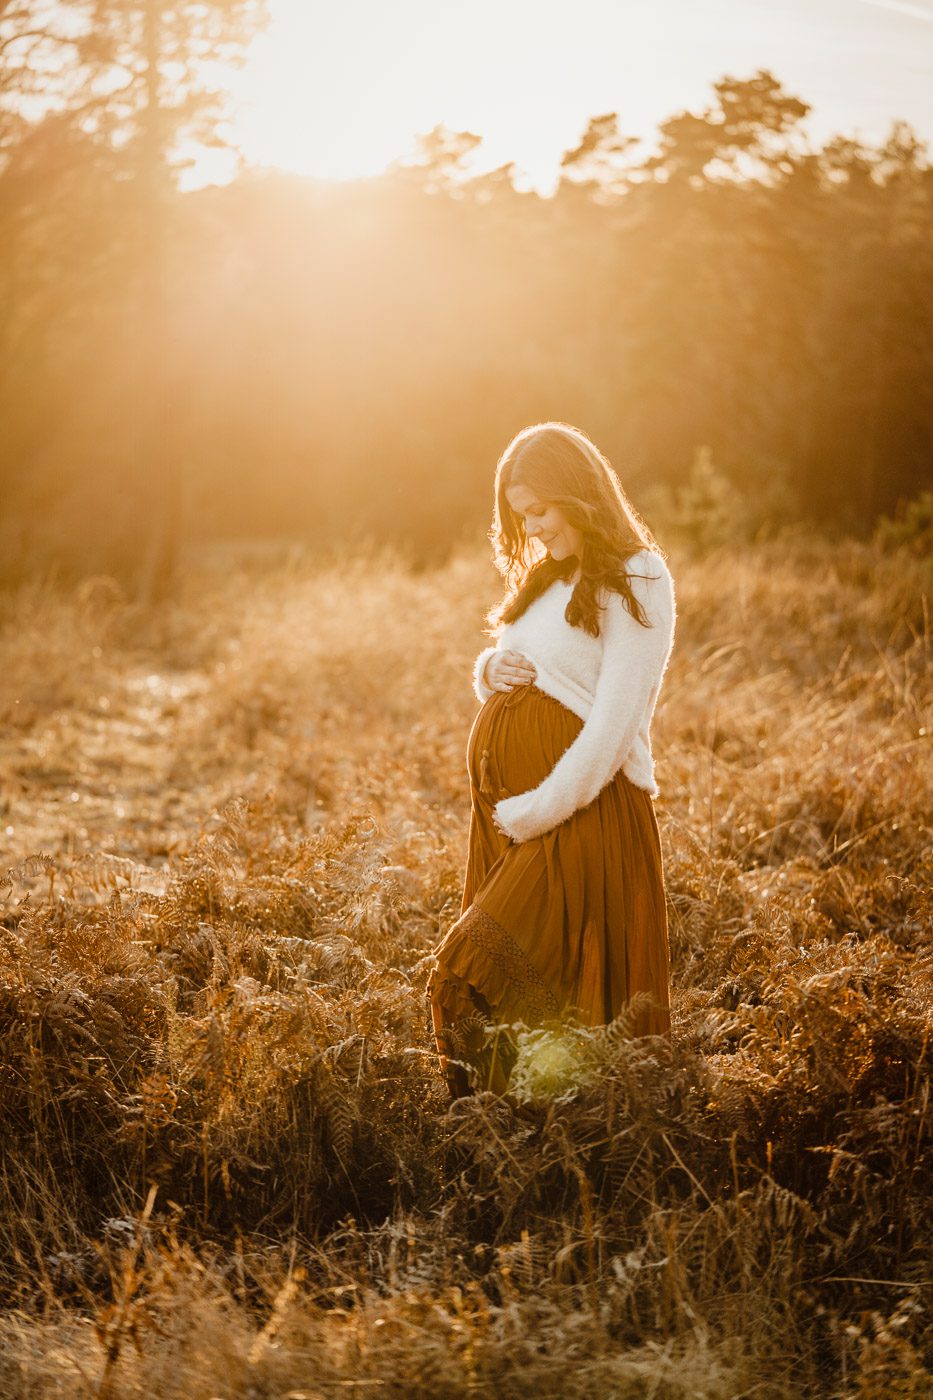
[(281, 357)]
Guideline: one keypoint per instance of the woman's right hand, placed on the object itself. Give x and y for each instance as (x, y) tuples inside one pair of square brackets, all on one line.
[(506, 670)]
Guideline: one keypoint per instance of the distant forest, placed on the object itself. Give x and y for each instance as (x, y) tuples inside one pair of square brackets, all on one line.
[(328, 363)]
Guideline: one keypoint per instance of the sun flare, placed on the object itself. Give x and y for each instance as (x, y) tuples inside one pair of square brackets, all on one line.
[(342, 93), (339, 92)]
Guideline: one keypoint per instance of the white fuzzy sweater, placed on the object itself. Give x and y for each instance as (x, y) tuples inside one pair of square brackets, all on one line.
[(611, 681)]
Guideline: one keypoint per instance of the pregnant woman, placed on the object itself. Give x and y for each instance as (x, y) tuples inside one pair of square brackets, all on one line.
[(563, 905)]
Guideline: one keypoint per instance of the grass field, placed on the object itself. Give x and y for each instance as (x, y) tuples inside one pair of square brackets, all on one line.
[(235, 827)]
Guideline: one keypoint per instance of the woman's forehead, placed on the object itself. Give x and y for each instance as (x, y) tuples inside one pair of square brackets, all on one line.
[(521, 497)]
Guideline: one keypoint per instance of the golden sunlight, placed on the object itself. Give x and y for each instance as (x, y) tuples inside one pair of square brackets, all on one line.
[(465, 534), (314, 98), (342, 91)]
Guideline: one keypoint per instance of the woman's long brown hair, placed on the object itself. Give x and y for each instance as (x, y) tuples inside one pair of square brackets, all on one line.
[(565, 468)]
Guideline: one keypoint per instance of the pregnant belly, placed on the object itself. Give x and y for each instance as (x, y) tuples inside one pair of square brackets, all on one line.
[(516, 739)]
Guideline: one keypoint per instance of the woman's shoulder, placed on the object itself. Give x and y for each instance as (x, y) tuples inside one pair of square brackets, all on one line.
[(651, 586), (650, 579), (648, 562), (642, 568)]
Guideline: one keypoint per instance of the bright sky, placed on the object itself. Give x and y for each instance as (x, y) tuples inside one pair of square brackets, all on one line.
[(340, 89)]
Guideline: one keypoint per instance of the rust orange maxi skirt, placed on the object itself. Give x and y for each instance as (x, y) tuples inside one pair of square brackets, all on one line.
[(571, 921)]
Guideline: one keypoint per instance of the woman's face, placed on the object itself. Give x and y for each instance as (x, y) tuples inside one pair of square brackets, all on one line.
[(545, 522)]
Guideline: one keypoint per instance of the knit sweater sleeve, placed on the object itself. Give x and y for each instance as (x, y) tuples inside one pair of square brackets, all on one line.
[(481, 689), (633, 662)]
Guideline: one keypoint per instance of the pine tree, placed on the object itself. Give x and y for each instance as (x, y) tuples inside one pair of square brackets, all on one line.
[(129, 76)]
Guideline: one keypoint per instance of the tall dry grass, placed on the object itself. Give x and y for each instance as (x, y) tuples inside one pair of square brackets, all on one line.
[(230, 1168)]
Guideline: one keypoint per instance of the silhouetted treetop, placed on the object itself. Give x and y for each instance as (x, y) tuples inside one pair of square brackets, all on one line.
[(753, 117), (345, 360)]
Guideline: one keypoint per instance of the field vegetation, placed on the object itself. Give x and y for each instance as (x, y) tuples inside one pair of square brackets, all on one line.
[(234, 825)]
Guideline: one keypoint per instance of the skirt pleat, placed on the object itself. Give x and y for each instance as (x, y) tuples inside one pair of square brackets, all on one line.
[(571, 922)]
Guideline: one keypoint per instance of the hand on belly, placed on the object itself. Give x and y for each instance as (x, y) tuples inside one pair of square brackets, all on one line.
[(507, 669)]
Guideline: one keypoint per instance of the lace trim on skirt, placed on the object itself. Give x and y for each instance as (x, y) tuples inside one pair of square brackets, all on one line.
[(526, 984)]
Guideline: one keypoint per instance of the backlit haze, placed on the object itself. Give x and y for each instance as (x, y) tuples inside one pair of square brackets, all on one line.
[(338, 91)]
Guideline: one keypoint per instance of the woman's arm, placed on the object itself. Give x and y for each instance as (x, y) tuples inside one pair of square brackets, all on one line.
[(634, 658)]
